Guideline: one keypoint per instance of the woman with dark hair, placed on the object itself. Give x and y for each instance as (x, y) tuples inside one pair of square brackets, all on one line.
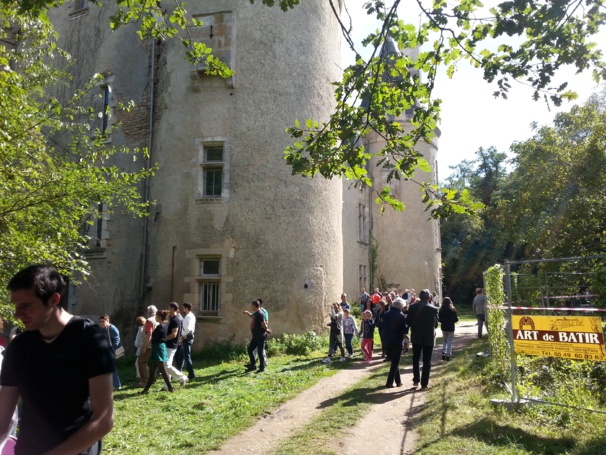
[(381, 310), (447, 316), (159, 354)]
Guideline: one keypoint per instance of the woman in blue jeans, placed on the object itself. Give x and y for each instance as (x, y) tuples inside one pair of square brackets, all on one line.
[(447, 316)]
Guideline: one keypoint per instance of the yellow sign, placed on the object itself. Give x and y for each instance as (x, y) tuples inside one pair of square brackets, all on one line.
[(570, 337)]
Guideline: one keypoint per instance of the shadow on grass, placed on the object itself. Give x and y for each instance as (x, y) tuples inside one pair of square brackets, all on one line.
[(496, 435), (215, 377), (595, 446), (371, 395)]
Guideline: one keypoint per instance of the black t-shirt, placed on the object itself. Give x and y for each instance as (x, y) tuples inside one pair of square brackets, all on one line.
[(159, 333), (256, 326), (52, 379), (175, 321)]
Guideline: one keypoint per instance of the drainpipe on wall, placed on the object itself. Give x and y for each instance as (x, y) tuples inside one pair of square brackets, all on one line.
[(172, 274), (147, 178)]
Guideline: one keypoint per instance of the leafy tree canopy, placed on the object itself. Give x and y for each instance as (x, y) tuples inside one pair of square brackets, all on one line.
[(54, 170), (552, 204)]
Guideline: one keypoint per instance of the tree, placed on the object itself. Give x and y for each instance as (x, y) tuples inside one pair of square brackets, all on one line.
[(550, 35), (469, 243), (524, 40), (55, 171), (554, 204)]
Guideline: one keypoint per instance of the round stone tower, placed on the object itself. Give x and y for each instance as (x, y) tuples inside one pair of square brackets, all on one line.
[(234, 224), (229, 223)]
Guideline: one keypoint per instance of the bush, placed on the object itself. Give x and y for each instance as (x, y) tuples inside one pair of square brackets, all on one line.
[(295, 344), (226, 351)]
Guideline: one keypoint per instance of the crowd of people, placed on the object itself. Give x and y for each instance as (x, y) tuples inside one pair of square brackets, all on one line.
[(394, 316), (71, 412)]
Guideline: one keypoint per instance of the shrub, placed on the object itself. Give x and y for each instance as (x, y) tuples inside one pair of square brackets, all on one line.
[(295, 344), (225, 351)]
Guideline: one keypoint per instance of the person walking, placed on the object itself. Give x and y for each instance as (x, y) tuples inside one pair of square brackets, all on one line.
[(159, 354), (381, 309), (146, 346), (335, 338), (175, 328), (364, 296), (187, 340), (423, 321), (266, 314), (259, 331), (350, 328), (60, 367), (479, 309), (447, 316), (140, 322), (394, 329), (367, 332)]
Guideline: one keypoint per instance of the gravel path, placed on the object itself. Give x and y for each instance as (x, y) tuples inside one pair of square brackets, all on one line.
[(393, 411)]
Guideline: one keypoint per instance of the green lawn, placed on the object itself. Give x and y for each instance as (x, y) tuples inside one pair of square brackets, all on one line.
[(219, 403), (457, 419)]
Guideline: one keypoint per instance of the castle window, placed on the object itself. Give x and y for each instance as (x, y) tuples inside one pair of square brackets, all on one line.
[(213, 175), (213, 170), (209, 281), (362, 223), (104, 103), (362, 276), (96, 230), (78, 8)]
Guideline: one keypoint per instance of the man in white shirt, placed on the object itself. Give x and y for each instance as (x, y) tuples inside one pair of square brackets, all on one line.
[(187, 339)]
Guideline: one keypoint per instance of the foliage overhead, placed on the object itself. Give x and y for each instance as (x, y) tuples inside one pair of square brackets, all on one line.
[(534, 40), (526, 41)]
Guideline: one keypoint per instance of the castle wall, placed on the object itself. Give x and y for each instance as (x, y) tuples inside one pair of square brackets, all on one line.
[(407, 243), (113, 286), (260, 232), (255, 231), (357, 222)]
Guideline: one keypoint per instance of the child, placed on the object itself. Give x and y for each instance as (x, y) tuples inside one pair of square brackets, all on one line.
[(349, 329), (447, 315), (336, 333), (367, 331)]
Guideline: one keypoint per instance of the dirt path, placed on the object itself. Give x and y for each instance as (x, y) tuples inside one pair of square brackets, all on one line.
[(395, 412), (392, 412)]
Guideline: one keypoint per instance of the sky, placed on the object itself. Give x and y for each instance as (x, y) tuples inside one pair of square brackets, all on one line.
[(471, 117)]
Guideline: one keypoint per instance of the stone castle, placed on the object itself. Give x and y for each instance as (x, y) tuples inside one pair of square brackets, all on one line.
[(229, 223)]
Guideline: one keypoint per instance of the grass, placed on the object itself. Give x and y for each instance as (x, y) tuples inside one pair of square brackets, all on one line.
[(458, 417), (319, 435), (218, 404)]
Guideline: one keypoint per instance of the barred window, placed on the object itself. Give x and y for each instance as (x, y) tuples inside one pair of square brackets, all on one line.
[(210, 286)]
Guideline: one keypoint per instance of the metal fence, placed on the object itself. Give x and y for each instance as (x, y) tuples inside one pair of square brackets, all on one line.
[(559, 287)]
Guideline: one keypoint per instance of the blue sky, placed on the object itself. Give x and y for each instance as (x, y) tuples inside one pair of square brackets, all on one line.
[(471, 116)]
